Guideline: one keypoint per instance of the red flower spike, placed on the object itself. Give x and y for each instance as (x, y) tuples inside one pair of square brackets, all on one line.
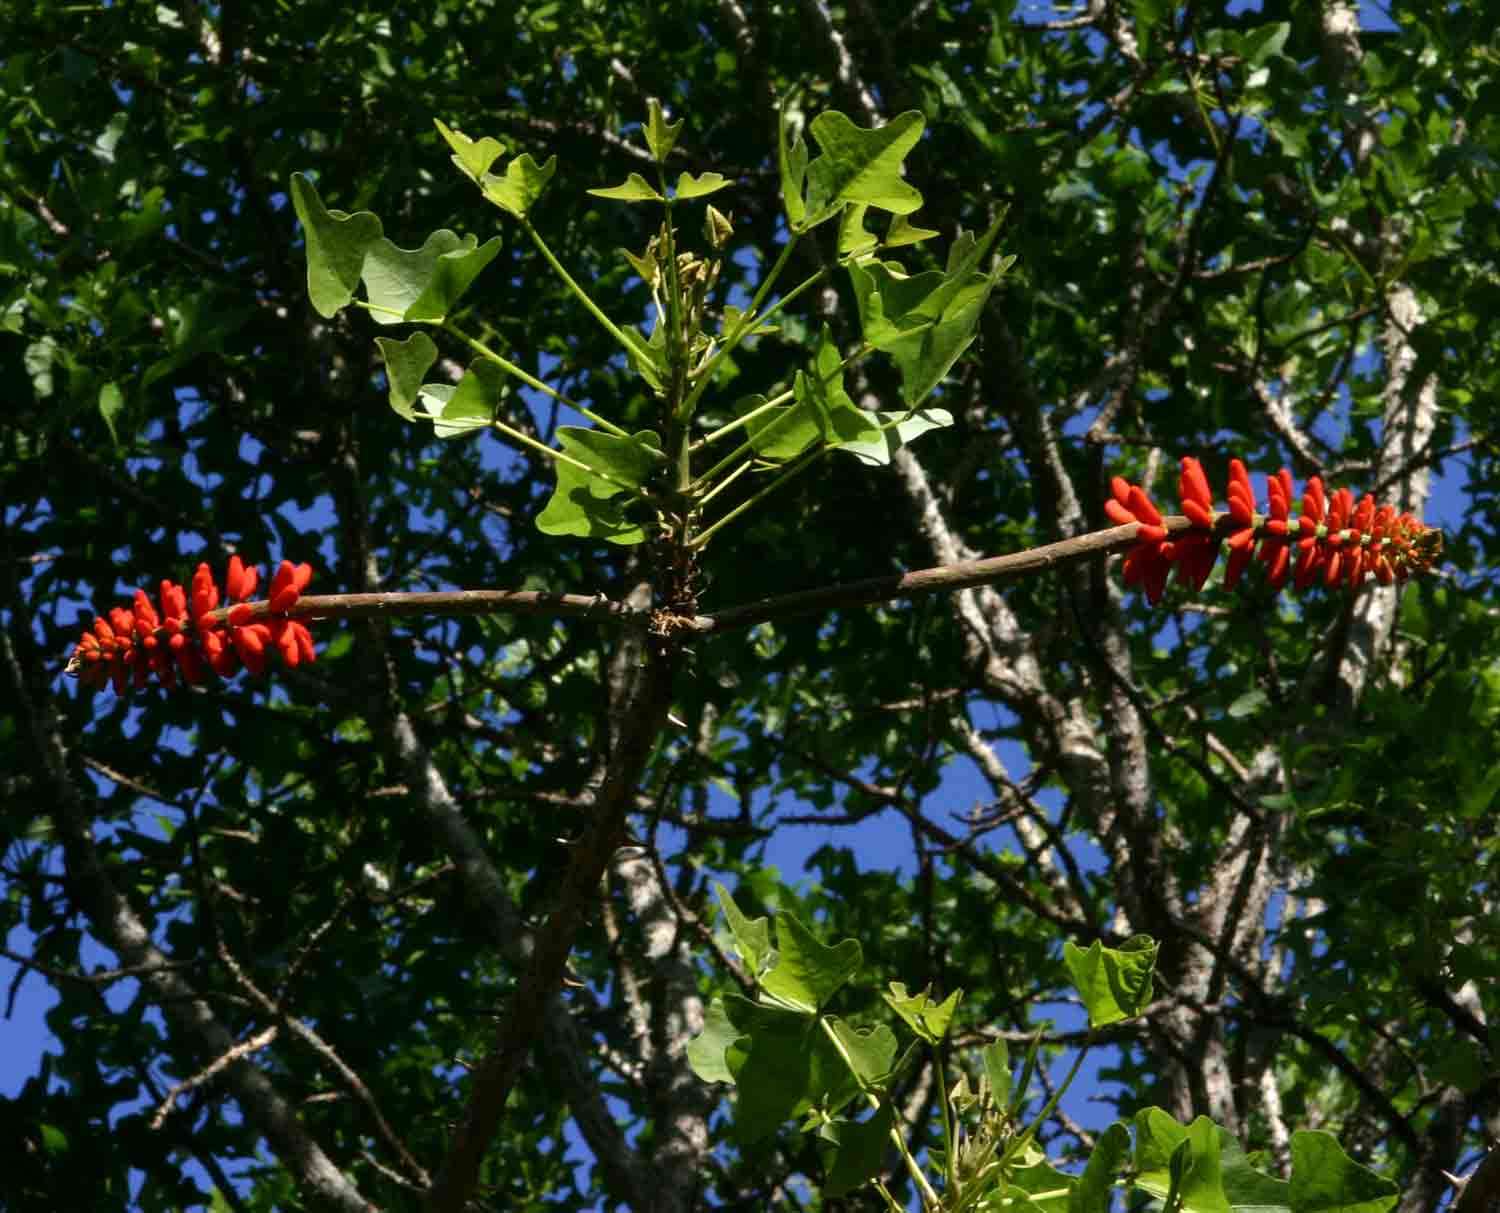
[(127, 646), (1337, 540)]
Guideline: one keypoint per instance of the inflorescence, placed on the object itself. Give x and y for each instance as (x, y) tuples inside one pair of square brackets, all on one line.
[(1335, 539), (129, 646)]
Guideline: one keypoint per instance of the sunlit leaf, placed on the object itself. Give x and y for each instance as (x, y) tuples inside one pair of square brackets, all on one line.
[(521, 186), (473, 156), (861, 166), (635, 189), (1114, 983)]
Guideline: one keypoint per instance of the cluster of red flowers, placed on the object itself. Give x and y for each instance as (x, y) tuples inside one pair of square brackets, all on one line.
[(130, 645), (1336, 540)]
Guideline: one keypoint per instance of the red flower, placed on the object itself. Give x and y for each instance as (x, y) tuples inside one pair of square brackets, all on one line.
[(132, 645), (1149, 563), (1242, 510), (1336, 539)]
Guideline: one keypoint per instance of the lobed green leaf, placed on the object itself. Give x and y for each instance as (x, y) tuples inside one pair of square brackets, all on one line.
[(1115, 983)]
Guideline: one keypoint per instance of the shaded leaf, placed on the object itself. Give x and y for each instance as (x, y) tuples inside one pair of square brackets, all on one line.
[(405, 364), (705, 1052), (854, 1150), (585, 501), (422, 284), (336, 247), (469, 406), (1092, 1193), (1326, 1180)]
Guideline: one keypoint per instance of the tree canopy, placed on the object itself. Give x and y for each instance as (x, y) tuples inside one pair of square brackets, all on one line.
[(292, 925)]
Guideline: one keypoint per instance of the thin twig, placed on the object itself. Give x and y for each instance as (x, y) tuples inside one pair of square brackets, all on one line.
[(219, 1064)]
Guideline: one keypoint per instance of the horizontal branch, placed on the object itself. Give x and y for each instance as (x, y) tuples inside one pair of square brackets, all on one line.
[(961, 575), (945, 578), (441, 602)]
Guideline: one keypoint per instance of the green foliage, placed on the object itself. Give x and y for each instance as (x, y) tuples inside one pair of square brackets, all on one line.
[(1233, 236), (924, 323)]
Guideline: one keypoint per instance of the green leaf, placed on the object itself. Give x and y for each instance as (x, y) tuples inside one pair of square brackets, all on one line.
[(470, 406), (791, 162), (1043, 1187), (871, 1051), (521, 186), (782, 433), (902, 232), (661, 135), (584, 502), (925, 322), (472, 157), (855, 1150), (705, 1052), (1248, 704), (752, 936), (405, 364), (838, 419), (1326, 1180), (781, 1062), (635, 189), (808, 973), (111, 404), (423, 284), (896, 430), (1092, 1194), (336, 247), (1163, 1146), (1115, 983), (861, 166), (854, 238), (689, 186), (996, 1060), (1262, 43), (648, 358), (1249, 1190), (928, 1019)]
